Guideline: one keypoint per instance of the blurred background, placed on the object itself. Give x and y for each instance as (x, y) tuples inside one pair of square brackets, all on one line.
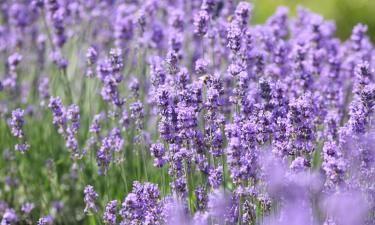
[(346, 13)]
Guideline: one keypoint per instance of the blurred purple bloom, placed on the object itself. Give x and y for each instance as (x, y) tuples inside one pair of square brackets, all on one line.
[(46, 220), (109, 216), (90, 199), (10, 217), (17, 122)]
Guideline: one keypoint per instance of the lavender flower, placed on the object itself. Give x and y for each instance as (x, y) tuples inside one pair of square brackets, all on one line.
[(216, 177), (186, 121), (243, 12), (249, 212), (27, 208), (300, 125), (14, 60), (91, 56), (201, 20), (157, 150), (59, 113), (23, 147), (46, 220), (9, 217), (137, 113), (110, 91), (59, 60), (201, 198), (109, 216), (333, 165), (74, 117), (234, 37), (43, 89), (95, 126), (201, 66), (358, 36), (176, 20), (142, 205), (104, 155), (17, 122), (90, 199), (363, 75)]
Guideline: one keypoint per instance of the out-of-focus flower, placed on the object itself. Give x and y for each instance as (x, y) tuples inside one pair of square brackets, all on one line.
[(90, 199), (110, 213)]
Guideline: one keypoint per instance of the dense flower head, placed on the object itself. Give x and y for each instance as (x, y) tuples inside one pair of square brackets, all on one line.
[(17, 122), (46, 220), (363, 74), (59, 60), (299, 164), (115, 57), (176, 19), (43, 89), (14, 60), (201, 66), (300, 127), (216, 177), (137, 113), (186, 121), (91, 55), (110, 213), (58, 111), (201, 20), (19, 14), (110, 91), (95, 125), (358, 35), (27, 208), (90, 199), (9, 217), (23, 147), (243, 11), (110, 144), (333, 164), (158, 151), (142, 205), (73, 116), (123, 27), (59, 37), (201, 198), (234, 36)]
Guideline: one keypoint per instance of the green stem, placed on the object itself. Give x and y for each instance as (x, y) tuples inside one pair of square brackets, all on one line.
[(144, 163), (67, 88), (223, 162)]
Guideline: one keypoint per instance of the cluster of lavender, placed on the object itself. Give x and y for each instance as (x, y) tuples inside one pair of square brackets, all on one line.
[(67, 122), (236, 123), (16, 123)]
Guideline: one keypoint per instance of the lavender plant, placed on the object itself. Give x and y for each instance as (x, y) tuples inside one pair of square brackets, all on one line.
[(183, 112)]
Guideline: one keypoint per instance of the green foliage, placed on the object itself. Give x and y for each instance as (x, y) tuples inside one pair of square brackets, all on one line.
[(346, 13)]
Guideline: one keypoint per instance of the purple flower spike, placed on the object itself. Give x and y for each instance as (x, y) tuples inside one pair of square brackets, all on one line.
[(46, 220), (10, 217), (201, 22), (17, 123), (90, 199), (27, 208), (109, 216), (157, 150), (142, 205)]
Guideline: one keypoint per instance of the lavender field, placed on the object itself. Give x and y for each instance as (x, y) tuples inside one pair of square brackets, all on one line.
[(183, 112)]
